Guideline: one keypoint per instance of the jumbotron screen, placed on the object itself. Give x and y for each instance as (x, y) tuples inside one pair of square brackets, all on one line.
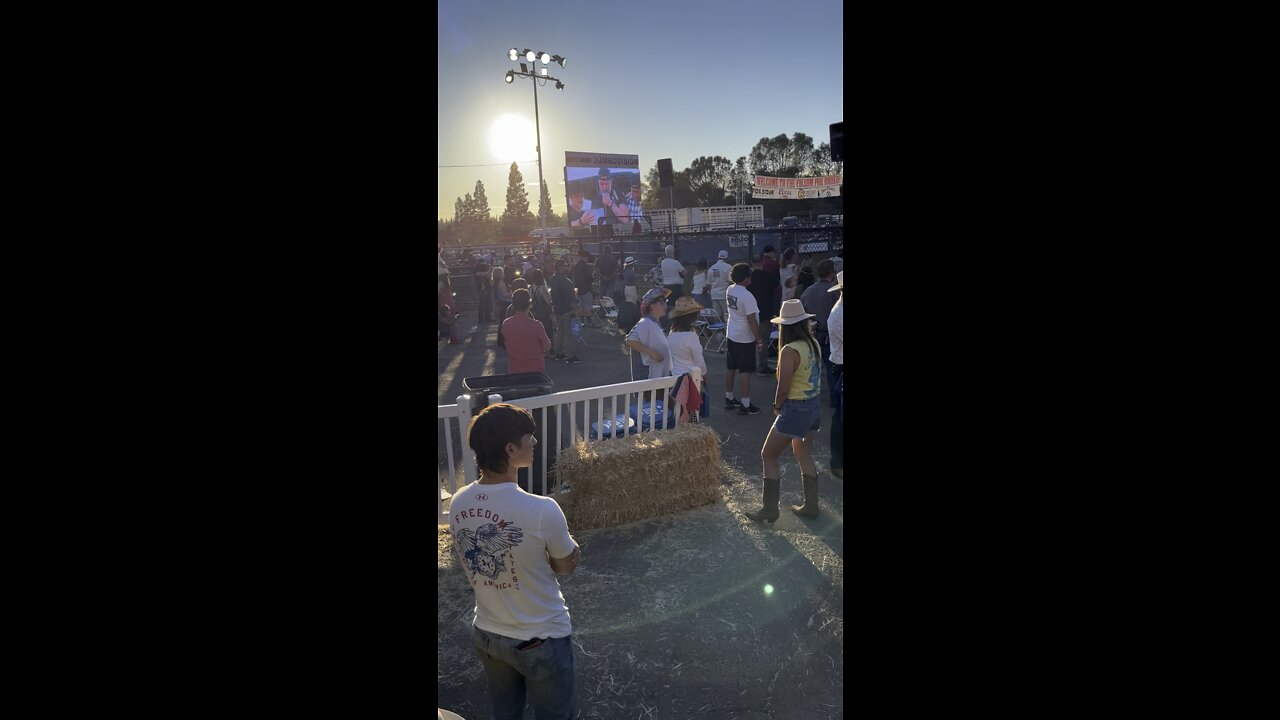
[(598, 187)]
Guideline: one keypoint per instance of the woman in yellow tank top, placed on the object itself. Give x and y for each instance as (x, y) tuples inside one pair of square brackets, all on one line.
[(797, 409)]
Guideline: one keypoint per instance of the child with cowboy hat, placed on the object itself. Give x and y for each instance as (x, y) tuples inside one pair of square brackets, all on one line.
[(687, 360)]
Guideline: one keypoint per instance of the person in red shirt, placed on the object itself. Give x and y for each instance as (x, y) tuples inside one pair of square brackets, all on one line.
[(526, 339)]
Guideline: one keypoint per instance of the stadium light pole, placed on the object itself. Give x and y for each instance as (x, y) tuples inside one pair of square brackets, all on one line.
[(531, 71)]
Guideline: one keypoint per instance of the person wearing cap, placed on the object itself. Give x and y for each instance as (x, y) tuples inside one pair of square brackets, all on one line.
[(687, 360), (835, 331), (526, 338), (718, 278), (629, 280), (646, 339), (700, 287), (672, 274), (607, 199), (607, 269), (797, 412), (820, 301), (563, 303)]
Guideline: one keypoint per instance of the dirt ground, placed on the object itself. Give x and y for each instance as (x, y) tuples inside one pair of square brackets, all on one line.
[(699, 614)]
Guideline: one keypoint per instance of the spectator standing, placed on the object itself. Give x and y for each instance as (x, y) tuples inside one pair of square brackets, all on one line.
[(447, 315), (526, 338), (672, 277), (718, 276), (501, 298), (797, 411), (512, 545), (835, 332), (700, 288), (541, 302), (787, 274), (820, 302), (607, 269), (804, 279), (764, 286), (583, 278), (743, 330), (647, 338), (563, 303), (484, 292), (629, 293), (687, 360)]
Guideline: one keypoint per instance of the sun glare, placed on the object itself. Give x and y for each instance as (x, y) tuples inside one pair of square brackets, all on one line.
[(512, 138)]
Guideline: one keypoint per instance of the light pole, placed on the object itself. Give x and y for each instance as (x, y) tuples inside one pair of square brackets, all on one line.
[(531, 71)]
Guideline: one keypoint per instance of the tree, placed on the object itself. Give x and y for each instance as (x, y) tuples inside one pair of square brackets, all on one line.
[(516, 219), (710, 180), (657, 197), (480, 204)]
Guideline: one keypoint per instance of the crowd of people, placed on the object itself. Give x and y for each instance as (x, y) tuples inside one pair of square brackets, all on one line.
[(524, 638)]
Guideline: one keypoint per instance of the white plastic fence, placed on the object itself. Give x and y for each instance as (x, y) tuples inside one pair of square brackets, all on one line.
[(598, 404)]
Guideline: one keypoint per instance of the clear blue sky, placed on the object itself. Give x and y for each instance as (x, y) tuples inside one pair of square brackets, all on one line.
[(657, 79)]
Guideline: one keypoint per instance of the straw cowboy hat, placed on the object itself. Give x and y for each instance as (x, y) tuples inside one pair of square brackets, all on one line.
[(685, 305), (839, 282), (632, 261), (792, 312)]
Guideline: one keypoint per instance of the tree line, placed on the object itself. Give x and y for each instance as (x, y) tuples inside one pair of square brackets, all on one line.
[(706, 182)]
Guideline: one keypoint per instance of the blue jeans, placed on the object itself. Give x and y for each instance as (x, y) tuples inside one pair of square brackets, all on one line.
[(544, 672)]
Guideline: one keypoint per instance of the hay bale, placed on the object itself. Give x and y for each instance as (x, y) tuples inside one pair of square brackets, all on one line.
[(613, 482)]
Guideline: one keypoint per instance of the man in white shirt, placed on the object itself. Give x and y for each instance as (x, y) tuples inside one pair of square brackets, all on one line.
[(718, 277), (672, 279), (745, 338), (512, 545), (835, 333)]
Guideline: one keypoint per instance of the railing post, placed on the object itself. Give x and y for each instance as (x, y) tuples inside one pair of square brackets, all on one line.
[(469, 472)]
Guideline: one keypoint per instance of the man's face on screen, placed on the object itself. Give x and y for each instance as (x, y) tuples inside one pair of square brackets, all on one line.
[(605, 186)]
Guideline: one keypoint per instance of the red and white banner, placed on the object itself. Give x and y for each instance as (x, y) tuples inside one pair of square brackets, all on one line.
[(795, 188)]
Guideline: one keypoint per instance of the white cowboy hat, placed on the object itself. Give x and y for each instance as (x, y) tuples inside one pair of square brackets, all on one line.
[(839, 282), (792, 312)]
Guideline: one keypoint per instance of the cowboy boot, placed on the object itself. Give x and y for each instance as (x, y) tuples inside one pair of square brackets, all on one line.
[(769, 511), (810, 507)]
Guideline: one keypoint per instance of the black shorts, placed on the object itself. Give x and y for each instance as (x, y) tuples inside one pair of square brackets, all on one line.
[(741, 356)]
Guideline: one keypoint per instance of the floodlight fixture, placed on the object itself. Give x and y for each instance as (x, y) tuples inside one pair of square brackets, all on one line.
[(558, 59), (511, 76), (559, 85), (544, 72), (514, 54), (544, 57), (530, 55)]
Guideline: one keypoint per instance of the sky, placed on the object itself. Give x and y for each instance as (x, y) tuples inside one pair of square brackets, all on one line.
[(658, 79)]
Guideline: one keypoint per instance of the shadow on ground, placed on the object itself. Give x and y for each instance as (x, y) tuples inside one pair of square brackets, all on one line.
[(703, 614)]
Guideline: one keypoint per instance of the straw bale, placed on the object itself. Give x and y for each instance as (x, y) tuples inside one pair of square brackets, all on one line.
[(612, 482)]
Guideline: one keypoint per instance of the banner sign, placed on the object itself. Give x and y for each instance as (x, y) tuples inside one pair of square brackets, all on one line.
[(795, 188), (609, 160)]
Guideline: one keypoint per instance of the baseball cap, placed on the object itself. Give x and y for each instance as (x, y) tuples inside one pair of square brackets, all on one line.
[(604, 174), (723, 254)]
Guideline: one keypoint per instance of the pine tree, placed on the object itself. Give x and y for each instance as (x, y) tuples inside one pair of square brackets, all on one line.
[(480, 204), (544, 202), (516, 219)]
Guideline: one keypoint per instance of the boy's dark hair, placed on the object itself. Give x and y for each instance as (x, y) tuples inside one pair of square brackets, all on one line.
[(562, 264), (519, 283), (826, 269), (740, 272), (535, 277), (492, 429), (702, 263), (683, 323), (520, 300)]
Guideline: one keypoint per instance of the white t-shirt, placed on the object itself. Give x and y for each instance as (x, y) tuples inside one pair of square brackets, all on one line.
[(719, 277), (649, 333), (835, 332), (786, 272), (671, 269), (686, 353), (699, 283), (502, 536), (741, 304)]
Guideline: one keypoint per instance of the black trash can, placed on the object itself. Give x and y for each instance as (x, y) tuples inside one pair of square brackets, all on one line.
[(516, 387)]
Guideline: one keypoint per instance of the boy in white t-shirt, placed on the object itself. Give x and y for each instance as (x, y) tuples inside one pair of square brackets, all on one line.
[(744, 337), (512, 545)]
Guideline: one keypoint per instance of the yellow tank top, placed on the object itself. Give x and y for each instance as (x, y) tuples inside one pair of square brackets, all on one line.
[(807, 377)]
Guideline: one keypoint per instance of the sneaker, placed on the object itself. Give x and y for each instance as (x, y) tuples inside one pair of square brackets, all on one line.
[(574, 360), (557, 356), (732, 404), (753, 410)]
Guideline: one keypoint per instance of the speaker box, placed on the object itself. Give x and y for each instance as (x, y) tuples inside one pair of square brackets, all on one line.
[(837, 142), (664, 173)]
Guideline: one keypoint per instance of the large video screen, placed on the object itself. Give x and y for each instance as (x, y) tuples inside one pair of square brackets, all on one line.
[(602, 189)]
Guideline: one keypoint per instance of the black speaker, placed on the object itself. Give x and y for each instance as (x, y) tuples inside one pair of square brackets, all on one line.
[(837, 142), (664, 173)]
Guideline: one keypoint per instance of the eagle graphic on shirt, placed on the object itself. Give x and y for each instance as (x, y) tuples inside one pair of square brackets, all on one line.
[(486, 548)]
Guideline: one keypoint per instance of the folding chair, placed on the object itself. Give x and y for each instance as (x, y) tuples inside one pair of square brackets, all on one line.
[(713, 326), (610, 313)]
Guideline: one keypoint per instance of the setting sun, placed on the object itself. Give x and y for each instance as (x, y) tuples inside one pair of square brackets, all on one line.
[(512, 138)]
